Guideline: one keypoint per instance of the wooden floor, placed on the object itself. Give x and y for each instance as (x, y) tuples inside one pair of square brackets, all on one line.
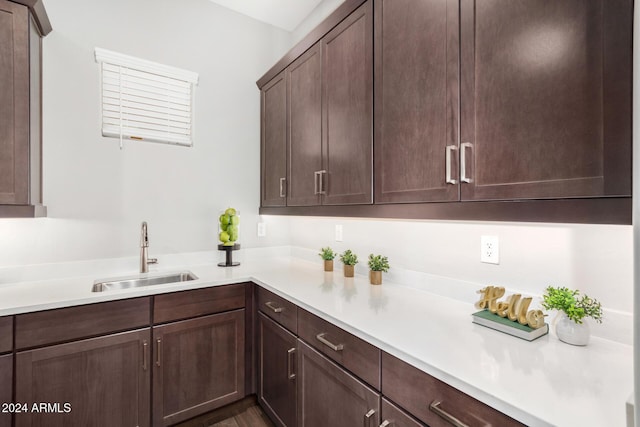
[(252, 417)]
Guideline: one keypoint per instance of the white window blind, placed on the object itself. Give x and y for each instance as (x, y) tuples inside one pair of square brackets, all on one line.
[(144, 100)]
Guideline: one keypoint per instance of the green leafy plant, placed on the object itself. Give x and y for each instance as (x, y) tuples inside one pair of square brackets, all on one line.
[(349, 258), (378, 263), (576, 306), (327, 254)]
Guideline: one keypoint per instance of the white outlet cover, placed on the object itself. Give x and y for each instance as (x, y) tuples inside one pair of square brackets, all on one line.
[(338, 233), (262, 229), (490, 249)]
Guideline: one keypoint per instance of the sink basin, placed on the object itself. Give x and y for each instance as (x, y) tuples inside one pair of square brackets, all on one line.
[(140, 281)]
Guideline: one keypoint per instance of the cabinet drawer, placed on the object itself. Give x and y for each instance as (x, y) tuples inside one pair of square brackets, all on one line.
[(417, 391), (358, 356), (66, 324), (279, 309), (6, 334), (396, 417), (198, 302)]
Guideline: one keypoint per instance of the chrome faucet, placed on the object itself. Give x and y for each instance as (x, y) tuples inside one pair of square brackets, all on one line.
[(144, 247)]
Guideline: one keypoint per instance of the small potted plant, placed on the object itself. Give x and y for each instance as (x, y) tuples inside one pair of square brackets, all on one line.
[(573, 308), (327, 255), (377, 264), (349, 261)]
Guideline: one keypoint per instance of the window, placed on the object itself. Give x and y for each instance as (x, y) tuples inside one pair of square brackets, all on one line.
[(144, 100)]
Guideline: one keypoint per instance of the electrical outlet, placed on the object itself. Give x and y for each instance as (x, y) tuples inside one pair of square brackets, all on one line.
[(490, 249), (338, 233), (262, 229)]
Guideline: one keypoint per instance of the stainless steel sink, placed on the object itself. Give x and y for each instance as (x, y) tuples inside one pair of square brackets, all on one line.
[(142, 280)]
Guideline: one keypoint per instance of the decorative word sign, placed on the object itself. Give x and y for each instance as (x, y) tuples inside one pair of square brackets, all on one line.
[(514, 308)]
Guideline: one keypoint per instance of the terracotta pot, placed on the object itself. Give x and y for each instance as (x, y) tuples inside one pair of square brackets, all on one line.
[(349, 270), (375, 277), (328, 265)]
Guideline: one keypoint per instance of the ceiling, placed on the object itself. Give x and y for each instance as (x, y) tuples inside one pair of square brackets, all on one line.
[(285, 14)]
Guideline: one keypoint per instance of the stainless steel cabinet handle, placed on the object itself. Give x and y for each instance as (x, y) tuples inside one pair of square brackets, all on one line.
[(272, 306), (316, 174), (145, 347), (367, 418), (282, 192), (449, 179), (332, 346), (321, 174), (291, 375), (435, 407), (385, 423), (463, 161), (159, 351)]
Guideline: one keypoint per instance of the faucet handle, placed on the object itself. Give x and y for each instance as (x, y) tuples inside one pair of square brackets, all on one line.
[(152, 260), (144, 237)]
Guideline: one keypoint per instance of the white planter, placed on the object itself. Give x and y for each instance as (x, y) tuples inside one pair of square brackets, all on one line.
[(571, 332)]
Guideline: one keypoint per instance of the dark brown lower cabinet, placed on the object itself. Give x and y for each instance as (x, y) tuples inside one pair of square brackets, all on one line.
[(392, 416), (276, 372), (6, 386), (198, 366), (330, 396), (434, 402), (105, 381)]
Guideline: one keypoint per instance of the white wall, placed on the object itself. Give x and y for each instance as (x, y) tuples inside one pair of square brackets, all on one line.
[(321, 11), (96, 194), (597, 259)]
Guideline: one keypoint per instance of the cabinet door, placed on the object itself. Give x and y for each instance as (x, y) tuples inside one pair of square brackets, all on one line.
[(392, 416), (274, 142), (105, 380), (329, 396), (416, 99), (199, 366), (347, 56), (546, 98), (14, 103), (276, 372), (6, 387), (305, 128)]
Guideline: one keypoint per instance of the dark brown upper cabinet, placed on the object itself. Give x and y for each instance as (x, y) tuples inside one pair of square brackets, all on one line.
[(330, 117), (477, 103), (416, 101), (347, 107), (546, 99), (273, 180), (20, 108), (305, 128)]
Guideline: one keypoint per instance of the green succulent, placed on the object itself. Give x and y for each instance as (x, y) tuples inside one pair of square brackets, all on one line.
[(327, 254), (576, 306), (378, 263), (349, 258)]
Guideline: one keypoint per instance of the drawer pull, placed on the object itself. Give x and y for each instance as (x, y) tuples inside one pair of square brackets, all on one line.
[(282, 192), (367, 417), (385, 423), (145, 347), (332, 346), (435, 407), (291, 375), (273, 307), (159, 351)]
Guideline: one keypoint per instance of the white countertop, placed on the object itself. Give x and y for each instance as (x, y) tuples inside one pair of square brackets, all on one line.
[(540, 383)]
